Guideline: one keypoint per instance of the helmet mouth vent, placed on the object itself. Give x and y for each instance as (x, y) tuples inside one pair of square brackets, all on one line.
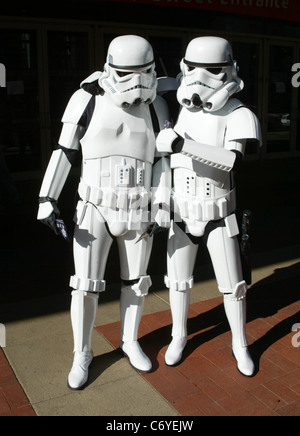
[(196, 100), (186, 102), (137, 102)]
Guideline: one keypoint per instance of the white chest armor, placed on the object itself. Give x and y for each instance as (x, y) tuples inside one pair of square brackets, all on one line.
[(118, 152), (119, 132), (198, 198), (204, 127)]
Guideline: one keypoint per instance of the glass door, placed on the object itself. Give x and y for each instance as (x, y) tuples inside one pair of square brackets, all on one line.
[(248, 55), (20, 134), (168, 52), (296, 110), (44, 67), (69, 62), (280, 123)]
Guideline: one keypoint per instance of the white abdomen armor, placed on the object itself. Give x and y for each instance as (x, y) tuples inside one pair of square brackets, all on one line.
[(207, 193)]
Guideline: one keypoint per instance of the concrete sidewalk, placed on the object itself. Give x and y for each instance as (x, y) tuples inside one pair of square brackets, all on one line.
[(39, 353)]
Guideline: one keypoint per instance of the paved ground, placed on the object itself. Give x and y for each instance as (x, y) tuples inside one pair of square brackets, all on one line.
[(35, 363)]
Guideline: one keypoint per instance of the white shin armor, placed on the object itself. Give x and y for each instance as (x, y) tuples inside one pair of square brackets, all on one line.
[(131, 306), (83, 314)]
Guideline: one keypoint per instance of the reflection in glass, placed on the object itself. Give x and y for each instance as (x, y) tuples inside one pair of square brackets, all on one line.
[(247, 56), (280, 98), (68, 63), (19, 101)]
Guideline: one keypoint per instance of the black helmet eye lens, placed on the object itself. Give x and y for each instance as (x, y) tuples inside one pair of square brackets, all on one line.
[(215, 71), (123, 73), (190, 68)]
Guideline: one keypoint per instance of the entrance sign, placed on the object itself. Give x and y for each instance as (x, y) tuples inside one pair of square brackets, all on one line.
[(278, 9)]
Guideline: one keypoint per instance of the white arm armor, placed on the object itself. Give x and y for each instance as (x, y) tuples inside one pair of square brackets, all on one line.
[(61, 160), (242, 125), (54, 180), (161, 173), (211, 162), (162, 111), (165, 140), (76, 107), (214, 162), (214, 157), (161, 192), (55, 176)]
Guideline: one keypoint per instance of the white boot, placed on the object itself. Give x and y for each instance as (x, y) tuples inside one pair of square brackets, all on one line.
[(131, 313), (236, 315), (78, 376), (83, 314), (180, 303)]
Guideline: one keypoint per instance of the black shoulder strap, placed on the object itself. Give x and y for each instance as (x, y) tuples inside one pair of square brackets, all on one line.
[(154, 119), (87, 115), (93, 88)]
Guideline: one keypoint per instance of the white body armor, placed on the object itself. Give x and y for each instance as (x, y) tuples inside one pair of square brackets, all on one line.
[(118, 153), (118, 149), (214, 131), (203, 185), (113, 119)]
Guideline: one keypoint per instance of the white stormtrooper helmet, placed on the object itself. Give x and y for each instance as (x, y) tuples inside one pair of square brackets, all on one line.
[(209, 74), (129, 73)]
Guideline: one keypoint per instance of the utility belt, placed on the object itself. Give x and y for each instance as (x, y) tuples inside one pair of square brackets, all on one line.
[(204, 210), (125, 199)]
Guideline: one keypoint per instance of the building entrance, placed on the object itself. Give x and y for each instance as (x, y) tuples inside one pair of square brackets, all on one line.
[(45, 63)]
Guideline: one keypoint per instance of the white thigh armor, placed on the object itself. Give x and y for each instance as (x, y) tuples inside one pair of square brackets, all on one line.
[(92, 243), (224, 252)]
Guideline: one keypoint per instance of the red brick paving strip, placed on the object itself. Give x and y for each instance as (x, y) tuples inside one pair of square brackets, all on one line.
[(13, 401), (207, 382)]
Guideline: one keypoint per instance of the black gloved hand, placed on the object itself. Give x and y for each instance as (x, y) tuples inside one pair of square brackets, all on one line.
[(53, 221)]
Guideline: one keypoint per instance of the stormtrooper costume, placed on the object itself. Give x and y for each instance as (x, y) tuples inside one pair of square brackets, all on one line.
[(206, 146), (109, 118)]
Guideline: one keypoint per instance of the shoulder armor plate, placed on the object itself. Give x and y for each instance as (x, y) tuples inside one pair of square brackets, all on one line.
[(76, 107)]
